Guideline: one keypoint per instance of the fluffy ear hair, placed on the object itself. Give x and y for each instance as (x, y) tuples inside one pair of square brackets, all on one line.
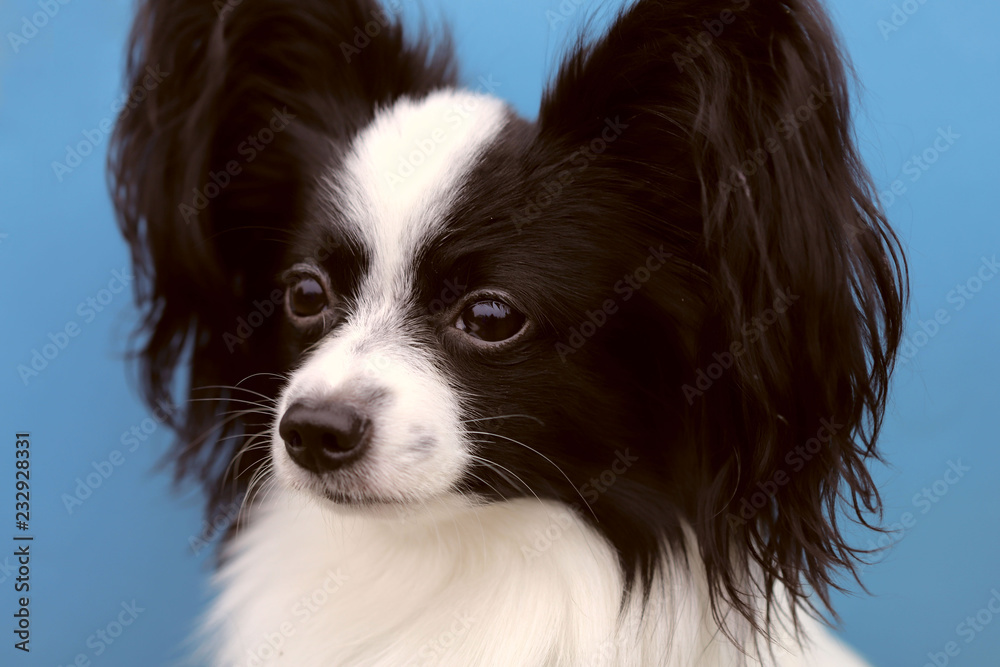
[(742, 106), (243, 104)]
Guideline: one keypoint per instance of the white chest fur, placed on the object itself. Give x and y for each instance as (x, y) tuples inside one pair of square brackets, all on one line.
[(523, 584)]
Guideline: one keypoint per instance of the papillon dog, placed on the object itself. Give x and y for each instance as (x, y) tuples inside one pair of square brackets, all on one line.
[(595, 388)]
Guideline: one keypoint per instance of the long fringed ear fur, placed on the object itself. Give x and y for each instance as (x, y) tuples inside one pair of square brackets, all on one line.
[(739, 125), (210, 175)]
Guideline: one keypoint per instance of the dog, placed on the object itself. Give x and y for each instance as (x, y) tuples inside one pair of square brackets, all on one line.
[(594, 388)]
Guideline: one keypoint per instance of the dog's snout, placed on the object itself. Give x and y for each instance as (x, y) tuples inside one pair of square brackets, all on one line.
[(326, 436)]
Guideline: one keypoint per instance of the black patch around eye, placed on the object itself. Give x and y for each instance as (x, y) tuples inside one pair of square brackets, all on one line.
[(490, 320)]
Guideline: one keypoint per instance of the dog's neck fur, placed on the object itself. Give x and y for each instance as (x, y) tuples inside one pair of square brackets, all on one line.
[(523, 583)]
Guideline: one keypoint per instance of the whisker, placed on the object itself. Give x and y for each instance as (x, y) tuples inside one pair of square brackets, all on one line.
[(480, 419), (280, 376), (244, 435), (230, 399), (271, 487), (269, 399), (495, 490), (196, 442), (494, 465), (254, 442), (561, 471), (260, 476), (248, 412)]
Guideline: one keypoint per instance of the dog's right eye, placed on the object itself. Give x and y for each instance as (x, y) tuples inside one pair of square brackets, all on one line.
[(306, 298)]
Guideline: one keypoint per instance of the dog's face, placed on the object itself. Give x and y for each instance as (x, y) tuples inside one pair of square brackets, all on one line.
[(382, 322), (678, 265), (441, 345)]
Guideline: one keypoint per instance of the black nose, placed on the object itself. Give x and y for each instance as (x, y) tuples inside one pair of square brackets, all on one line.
[(325, 436)]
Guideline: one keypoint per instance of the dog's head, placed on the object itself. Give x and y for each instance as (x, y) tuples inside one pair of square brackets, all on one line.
[(671, 299)]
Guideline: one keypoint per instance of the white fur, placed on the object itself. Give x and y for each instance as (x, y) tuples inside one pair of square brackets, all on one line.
[(519, 584)]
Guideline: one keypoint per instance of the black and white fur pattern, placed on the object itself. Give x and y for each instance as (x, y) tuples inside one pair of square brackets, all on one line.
[(573, 494)]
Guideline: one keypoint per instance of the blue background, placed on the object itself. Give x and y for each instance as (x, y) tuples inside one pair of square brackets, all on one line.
[(130, 539)]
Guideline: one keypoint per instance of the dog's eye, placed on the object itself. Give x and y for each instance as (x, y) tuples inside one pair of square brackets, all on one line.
[(306, 297), (490, 320)]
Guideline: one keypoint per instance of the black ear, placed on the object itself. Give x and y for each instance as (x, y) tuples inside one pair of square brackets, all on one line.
[(739, 153), (240, 106)]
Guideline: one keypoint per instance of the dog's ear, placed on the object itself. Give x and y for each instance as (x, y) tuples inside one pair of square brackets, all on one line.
[(235, 110), (737, 148)]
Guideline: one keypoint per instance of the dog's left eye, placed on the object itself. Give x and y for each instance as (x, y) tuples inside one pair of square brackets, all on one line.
[(490, 320)]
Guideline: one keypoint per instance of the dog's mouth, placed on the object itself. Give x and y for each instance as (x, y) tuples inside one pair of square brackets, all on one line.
[(347, 489), (351, 492), (362, 500), (399, 510)]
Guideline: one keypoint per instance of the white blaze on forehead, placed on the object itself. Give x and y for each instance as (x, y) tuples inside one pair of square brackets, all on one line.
[(404, 170), (392, 194)]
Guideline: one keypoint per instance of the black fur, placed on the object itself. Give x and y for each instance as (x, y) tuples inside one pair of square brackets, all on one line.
[(688, 167)]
